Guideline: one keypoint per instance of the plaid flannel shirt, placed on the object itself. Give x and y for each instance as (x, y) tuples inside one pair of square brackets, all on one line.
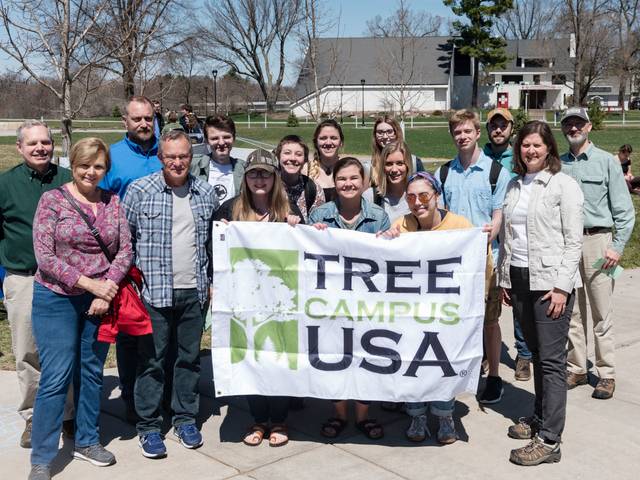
[(148, 205)]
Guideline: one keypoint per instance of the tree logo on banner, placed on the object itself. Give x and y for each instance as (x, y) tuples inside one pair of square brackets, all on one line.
[(266, 321)]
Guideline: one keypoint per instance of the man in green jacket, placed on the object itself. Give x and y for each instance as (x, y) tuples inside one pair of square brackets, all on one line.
[(20, 191), (608, 222)]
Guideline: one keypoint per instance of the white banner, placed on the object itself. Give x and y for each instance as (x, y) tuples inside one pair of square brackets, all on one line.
[(343, 315)]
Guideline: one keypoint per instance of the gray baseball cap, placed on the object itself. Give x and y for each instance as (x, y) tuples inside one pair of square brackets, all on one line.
[(579, 112)]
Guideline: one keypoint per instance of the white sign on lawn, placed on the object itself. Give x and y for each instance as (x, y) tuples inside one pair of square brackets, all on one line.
[(343, 315)]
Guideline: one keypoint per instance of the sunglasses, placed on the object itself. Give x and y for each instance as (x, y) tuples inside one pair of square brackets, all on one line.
[(424, 197)]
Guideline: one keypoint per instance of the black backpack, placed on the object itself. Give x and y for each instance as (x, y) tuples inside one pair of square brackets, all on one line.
[(494, 174)]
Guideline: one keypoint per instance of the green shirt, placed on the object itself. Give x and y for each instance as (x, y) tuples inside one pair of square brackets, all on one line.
[(20, 191), (607, 202), (505, 158)]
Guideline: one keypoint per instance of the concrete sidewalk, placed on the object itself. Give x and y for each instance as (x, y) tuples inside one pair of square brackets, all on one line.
[(600, 439)]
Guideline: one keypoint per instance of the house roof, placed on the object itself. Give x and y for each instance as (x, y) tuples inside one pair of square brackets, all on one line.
[(380, 61), (410, 61), (557, 49)]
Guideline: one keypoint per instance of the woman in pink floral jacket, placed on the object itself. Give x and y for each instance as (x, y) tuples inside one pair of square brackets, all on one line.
[(73, 287)]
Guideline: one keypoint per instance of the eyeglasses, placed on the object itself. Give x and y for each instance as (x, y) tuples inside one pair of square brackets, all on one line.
[(253, 174), (385, 133), (424, 197), (176, 158), (578, 123)]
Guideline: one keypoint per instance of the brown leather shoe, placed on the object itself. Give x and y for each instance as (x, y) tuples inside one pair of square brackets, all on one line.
[(523, 369), (25, 438), (604, 389), (575, 379)]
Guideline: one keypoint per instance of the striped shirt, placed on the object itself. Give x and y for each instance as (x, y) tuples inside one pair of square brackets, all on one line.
[(148, 205)]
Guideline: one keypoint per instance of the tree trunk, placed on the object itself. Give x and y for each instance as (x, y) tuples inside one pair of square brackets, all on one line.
[(622, 89), (129, 79), (65, 122)]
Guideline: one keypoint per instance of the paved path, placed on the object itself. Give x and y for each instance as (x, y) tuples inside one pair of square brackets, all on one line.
[(600, 440)]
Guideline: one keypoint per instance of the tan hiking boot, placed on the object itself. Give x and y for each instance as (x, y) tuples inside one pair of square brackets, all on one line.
[(575, 379), (604, 389), (535, 453), (525, 429), (25, 438), (523, 369)]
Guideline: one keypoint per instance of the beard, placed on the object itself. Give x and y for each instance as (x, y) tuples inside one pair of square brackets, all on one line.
[(577, 140)]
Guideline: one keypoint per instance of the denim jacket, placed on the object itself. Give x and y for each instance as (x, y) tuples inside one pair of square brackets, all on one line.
[(372, 218), (554, 232)]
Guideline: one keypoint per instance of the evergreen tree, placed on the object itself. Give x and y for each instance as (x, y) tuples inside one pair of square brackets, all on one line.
[(475, 37)]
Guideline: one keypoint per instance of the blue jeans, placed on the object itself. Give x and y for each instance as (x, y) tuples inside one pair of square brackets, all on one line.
[(439, 409), (181, 325), (521, 345), (69, 351)]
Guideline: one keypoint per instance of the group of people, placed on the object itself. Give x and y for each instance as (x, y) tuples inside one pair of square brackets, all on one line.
[(549, 219)]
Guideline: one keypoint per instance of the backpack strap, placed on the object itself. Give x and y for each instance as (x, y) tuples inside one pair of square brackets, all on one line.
[(377, 198), (444, 172), (310, 192), (494, 175)]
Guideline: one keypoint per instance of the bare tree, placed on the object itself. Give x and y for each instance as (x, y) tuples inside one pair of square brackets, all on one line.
[(312, 27), (134, 31), (184, 62), (49, 40), (624, 21), (400, 44), (592, 46), (250, 36), (528, 19), (405, 22)]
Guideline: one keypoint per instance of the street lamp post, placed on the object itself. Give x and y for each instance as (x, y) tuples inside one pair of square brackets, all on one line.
[(341, 86), (206, 101), (215, 91), (362, 82)]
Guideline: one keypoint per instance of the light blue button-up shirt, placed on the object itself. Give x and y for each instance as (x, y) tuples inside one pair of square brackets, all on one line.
[(468, 192)]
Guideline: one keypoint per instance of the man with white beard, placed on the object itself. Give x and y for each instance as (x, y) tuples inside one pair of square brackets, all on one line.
[(608, 222)]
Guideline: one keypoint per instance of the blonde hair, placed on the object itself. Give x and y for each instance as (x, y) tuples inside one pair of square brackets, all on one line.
[(314, 164), (376, 150), (88, 149), (244, 210), (390, 148), (461, 116)]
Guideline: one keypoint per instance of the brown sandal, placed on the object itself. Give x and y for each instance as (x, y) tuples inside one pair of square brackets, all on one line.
[(368, 427), (279, 429), (333, 427), (257, 432)]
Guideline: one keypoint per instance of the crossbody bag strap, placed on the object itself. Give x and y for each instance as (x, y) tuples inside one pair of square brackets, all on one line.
[(94, 231)]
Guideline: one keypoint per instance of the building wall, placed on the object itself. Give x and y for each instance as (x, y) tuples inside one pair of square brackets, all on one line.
[(376, 99)]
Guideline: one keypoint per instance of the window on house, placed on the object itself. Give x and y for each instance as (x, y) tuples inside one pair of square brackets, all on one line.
[(559, 79), (511, 78)]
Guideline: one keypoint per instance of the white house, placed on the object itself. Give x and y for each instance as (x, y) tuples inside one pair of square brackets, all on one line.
[(426, 74)]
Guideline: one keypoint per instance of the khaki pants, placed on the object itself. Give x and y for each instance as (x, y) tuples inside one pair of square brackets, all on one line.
[(18, 295), (598, 288)]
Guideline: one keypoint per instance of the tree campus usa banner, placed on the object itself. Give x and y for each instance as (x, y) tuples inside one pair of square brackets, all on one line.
[(339, 314)]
